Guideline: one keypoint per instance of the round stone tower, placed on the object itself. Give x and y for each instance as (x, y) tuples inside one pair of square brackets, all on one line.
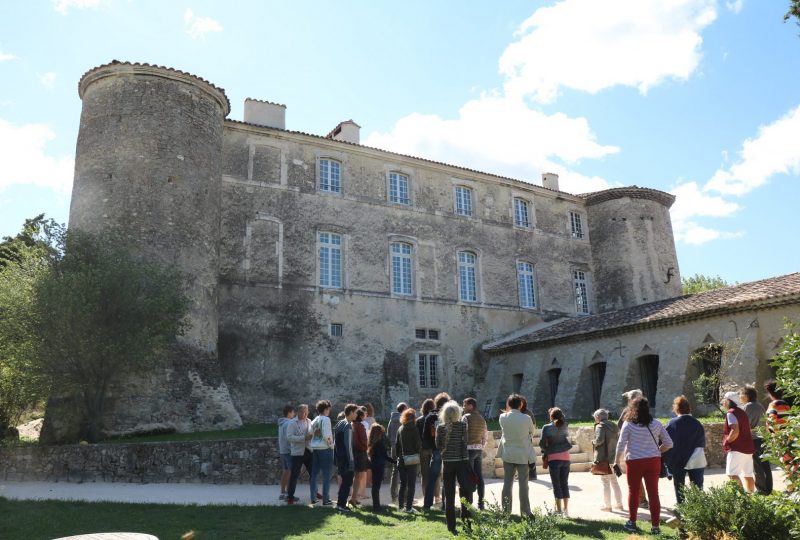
[(633, 248), (148, 163)]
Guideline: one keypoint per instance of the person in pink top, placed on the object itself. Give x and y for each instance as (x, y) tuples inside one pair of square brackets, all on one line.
[(642, 441)]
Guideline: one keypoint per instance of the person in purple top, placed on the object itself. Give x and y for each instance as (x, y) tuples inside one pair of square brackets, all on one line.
[(687, 434)]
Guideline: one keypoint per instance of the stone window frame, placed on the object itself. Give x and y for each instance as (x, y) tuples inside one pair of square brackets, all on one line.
[(528, 202), (534, 290), (467, 189), (336, 329), (400, 172), (342, 257), (335, 157), (477, 275), (416, 285), (588, 289), (437, 369), (582, 224), (397, 277)]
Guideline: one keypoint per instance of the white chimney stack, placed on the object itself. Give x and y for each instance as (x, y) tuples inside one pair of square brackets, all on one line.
[(347, 131), (265, 113), (550, 181)]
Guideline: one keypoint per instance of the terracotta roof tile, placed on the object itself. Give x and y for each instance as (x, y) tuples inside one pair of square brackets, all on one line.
[(775, 291)]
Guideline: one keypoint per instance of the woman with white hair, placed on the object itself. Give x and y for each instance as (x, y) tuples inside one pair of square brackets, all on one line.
[(451, 440), (604, 443)]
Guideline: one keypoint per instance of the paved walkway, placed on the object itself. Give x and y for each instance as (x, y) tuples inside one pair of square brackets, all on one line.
[(585, 490)]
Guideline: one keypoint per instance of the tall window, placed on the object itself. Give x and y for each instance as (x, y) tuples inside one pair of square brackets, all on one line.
[(427, 368), (576, 225), (466, 277), (398, 188), (330, 260), (521, 213), (401, 268), (330, 176), (581, 292), (463, 201), (527, 298)]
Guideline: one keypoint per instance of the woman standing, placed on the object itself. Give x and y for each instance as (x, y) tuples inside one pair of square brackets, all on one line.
[(360, 444), (555, 447), (606, 434), (642, 441), (407, 450), (377, 462), (687, 434), (451, 440)]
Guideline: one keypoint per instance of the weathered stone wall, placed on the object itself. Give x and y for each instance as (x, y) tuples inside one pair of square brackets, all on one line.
[(248, 461), (274, 318), (760, 333)]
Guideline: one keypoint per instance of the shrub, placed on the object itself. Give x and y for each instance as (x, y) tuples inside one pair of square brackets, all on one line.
[(728, 512), (494, 524)]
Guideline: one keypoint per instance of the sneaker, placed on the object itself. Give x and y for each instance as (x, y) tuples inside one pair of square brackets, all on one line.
[(644, 504), (630, 526), (343, 509), (292, 500), (480, 505), (655, 531), (354, 502), (327, 503), (412, 511), (282, 497)]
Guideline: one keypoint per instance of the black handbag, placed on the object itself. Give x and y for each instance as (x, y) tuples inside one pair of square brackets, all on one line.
[(663, 473)]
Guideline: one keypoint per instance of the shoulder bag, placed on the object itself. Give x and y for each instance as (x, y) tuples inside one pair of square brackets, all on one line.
[(663, 473), (602, 467), (697, 460), (411, 459)]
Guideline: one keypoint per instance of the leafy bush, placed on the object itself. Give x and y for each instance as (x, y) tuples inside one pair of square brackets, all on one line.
[(494, 524), (728, 512)]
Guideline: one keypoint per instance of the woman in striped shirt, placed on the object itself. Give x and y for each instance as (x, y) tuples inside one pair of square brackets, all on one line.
[(451, 440), (642, 441)]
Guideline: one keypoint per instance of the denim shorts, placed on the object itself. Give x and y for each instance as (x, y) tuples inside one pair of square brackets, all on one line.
[(286, 462)]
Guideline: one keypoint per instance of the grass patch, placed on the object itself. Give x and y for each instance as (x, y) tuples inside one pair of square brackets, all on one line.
[(44, 520), (247, 431)]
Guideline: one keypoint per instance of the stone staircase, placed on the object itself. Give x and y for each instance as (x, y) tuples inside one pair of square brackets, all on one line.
[(580, 460)]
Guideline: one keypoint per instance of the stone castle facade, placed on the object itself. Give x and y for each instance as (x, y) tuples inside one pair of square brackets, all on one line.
[(322, 268)]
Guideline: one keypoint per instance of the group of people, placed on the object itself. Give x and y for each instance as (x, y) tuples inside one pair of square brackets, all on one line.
[(444, 443)]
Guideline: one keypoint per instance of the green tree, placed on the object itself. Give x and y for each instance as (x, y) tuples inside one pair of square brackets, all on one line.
[(794, 11), (699, 283), (23, 260), (783, 445)]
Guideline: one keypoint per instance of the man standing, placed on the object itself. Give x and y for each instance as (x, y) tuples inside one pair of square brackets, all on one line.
[(517, 444), (284, 449), (738, 443), (476, 440), (755, 412), (394, 425), (298, 435), (343, 451)]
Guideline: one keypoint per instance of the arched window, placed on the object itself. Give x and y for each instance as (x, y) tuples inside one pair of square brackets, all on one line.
[(553, 376), (467, 287), (402, 273), (525, 281)]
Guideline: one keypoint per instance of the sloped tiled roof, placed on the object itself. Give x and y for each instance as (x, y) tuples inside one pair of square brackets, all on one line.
[(770, 292)]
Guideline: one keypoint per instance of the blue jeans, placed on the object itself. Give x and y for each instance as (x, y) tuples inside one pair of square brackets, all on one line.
[(433, 477), (679, 479), (559, 475), (475, 458), (322, 463)]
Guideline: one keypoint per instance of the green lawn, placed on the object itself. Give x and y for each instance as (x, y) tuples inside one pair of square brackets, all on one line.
[(45, 520)]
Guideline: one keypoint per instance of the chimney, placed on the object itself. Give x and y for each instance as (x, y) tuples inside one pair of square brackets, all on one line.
[(550, 181), (265, 113), (347, 131)]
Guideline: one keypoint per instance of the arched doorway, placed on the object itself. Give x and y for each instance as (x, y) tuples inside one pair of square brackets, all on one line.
[(648, 371)]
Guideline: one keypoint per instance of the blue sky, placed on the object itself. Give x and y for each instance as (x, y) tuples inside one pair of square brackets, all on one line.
[(695, 97)]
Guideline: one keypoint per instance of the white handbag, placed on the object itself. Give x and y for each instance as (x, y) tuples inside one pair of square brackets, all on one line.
[(697, 460)]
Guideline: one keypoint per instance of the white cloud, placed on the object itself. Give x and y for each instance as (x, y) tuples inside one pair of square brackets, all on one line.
[(691, 202), (63, 6), (589, 45), (48, 80), (501, 135), (774, 150), (4, 56), (198, 27), (693, 234), (24, 159), (735, 6)]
